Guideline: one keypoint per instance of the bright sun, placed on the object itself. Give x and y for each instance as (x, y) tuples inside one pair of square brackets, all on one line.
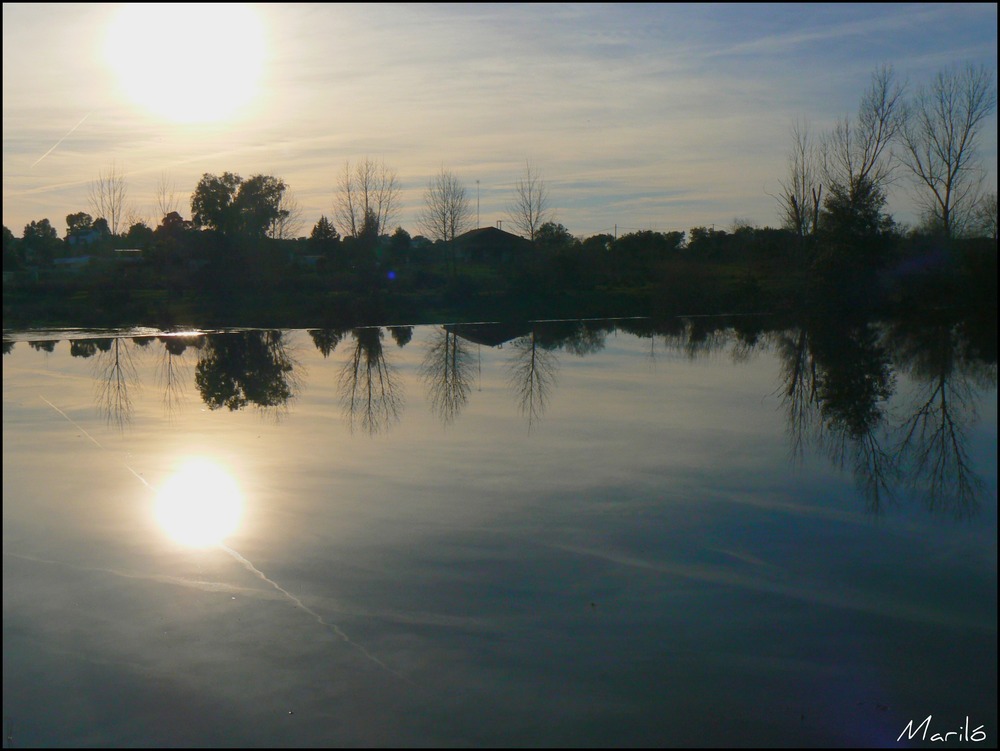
[(200, 505), (187, 62)]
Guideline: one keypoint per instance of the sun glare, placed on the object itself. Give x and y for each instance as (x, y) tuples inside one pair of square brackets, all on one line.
[(200, 505), (187, 62)]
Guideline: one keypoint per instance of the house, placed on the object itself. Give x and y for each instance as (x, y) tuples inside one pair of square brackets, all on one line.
[(490, 245)]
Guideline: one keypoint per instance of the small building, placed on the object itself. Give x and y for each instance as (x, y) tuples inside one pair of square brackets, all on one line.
[(491, 245)]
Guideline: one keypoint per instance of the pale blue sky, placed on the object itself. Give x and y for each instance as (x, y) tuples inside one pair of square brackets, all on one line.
[(642, 116)]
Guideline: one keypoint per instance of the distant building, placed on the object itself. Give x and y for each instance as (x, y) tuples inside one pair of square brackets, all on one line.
[(490, 244)]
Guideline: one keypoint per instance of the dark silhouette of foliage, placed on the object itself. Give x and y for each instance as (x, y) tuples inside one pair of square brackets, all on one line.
[(249, 367), (237, 207)]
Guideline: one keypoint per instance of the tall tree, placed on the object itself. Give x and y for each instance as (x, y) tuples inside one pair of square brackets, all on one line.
[(447, 211), (801, 190), (288, 221), (108, 196), (259, 205), (166, 195), (860, 150), (940, 144), (235, 206), (212, 202), (529, 208), (369, 188)]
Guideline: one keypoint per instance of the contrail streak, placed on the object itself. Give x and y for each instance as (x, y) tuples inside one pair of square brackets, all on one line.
[(72, 422), (333, 627), (63, 138)]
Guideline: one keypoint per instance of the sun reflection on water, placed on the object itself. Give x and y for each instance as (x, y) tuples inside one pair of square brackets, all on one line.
[(200, 505)]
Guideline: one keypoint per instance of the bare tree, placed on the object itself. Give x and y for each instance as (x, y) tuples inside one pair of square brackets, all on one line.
[(529, 209), (447, 211), (801, 191), (166, 196), (370, 189), (861, 150), (986, 215), (108, 196), (288, 222), (939, 143)]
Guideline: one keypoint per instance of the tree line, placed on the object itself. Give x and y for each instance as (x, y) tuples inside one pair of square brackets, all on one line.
[(835, 229)]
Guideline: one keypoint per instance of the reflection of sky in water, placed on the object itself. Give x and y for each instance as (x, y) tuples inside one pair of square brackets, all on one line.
[(636, 562)]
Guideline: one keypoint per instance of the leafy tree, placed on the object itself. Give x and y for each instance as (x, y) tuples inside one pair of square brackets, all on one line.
[(238, 207), (554, 237), (400, 240), (11, 251), (40, 241), (258, 205), (173, 226), (854, 215), (212, 202), (324, 233), (139, 235), (78, 224)]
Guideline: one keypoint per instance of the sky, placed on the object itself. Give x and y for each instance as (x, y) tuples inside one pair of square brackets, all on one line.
[(651, 116)]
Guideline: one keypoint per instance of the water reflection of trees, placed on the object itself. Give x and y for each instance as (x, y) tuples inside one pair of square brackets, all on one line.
[(326, 340), (836, 383), (173, 370), (448, 372), (115, 377), (531, 373), (244, 368), (933, 437), (370, 392)]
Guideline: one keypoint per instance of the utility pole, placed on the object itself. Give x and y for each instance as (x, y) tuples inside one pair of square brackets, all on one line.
[(477, 204)]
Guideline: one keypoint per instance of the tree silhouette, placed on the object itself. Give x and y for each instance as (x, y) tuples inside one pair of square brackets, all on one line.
[(369, 189), (529, 209), (108, 196), (940, 141)]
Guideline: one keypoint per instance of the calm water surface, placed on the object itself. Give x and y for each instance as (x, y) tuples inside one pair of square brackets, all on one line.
[(549, 534)]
